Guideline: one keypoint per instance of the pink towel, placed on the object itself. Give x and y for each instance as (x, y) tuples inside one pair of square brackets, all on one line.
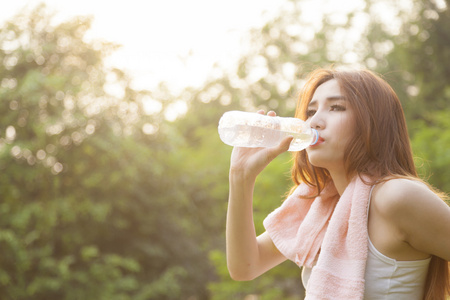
[(334, 226)]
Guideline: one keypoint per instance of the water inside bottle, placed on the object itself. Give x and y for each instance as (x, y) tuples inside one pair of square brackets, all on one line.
[(300, 141), (254, 136)]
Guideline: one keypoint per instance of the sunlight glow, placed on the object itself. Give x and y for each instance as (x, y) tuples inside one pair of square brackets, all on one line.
[(175, 41), (151, 106), (175, 109)]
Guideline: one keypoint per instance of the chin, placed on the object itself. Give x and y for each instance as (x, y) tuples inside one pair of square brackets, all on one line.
[(323, 162), (314, 157), (316, 163)]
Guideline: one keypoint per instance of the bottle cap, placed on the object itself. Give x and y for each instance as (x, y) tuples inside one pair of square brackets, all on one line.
[(316, 136)]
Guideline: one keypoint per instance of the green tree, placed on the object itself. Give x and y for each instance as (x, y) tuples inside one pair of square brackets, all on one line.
[(93, 207)]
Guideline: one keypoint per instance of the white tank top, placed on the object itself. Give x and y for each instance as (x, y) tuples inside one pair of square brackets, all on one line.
[(387, 278)]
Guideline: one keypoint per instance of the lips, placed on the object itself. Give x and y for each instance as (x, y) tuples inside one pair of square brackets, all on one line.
[(320, 140)]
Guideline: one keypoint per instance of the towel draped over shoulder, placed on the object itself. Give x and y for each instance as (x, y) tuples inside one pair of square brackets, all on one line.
[(330, 225)]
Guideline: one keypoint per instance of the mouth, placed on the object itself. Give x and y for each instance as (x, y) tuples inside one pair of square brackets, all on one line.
[(320, 140)]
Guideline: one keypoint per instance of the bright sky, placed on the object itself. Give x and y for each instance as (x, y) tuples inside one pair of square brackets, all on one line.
[(176, 41)]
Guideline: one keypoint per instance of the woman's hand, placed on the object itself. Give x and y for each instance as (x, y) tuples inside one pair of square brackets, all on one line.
[(251, 161)]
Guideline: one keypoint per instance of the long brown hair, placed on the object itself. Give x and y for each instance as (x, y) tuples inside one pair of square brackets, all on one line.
[(380, 147)]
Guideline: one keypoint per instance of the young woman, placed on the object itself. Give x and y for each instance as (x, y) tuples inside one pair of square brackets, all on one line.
[(358, 220)]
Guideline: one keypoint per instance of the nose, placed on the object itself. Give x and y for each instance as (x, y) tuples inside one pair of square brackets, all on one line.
[(317, 121)]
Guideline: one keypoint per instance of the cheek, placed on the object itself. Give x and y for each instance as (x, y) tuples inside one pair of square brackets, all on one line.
[(348, 130)]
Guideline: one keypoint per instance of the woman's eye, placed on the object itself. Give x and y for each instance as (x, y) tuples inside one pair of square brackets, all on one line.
[(337, 107), (310, 112)]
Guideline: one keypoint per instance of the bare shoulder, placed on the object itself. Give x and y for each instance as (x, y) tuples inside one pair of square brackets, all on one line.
[(400, 195), (419, 216)]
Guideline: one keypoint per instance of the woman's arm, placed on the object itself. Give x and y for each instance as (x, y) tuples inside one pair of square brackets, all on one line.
[(248, 256), (419, 214)]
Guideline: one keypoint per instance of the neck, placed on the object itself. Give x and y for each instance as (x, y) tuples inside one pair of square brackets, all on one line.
[(340, 181)]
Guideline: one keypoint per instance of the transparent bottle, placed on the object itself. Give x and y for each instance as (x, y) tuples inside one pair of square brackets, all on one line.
[(245, 129)]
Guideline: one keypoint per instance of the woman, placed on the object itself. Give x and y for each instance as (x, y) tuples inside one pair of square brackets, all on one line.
[(358, 220)]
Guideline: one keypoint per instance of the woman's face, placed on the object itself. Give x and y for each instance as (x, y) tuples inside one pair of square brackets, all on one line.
[(333, 117)]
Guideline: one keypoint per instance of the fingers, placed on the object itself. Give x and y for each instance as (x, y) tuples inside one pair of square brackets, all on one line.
[(281, 148), (270, 113), (285, 143)]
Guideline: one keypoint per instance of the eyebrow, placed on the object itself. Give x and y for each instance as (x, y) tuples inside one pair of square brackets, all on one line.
[(331, 98)]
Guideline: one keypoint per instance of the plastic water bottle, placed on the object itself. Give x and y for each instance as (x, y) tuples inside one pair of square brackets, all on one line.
[(244, 129)]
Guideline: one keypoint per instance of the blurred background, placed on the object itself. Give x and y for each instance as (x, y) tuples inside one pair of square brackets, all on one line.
[(114, 181)]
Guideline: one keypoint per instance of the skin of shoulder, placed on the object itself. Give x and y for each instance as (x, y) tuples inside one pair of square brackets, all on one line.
[(418, 213)]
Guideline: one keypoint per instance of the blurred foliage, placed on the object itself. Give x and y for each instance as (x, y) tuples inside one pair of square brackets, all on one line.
[(93, 207), (104, 198)]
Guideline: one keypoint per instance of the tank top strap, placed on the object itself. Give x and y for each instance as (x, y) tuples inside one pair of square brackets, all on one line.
[(370, 198)]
